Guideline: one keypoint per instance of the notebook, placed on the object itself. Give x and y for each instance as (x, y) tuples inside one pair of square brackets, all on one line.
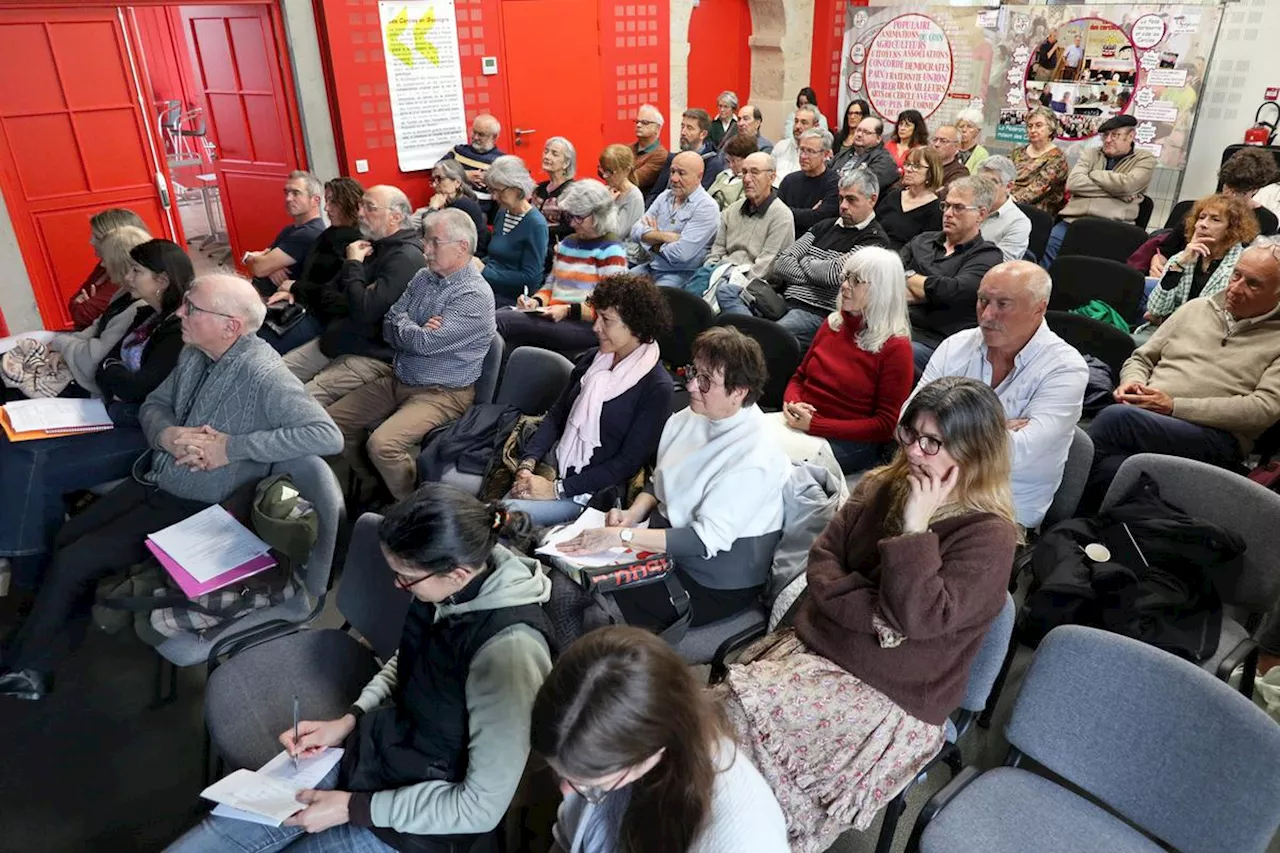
[(25, 420), (208, 551), (268, 795)]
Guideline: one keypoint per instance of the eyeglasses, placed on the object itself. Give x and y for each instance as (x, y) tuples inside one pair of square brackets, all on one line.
[(405, 584), (704, 378), (603, 174), (957, 207), (437, 242), (192, 309), (755, 173), (812, 152), (645, 121), (913, 167), (575, 218), (594, 794), (929, 444), (854, 279), (370, 206), (942, 140)]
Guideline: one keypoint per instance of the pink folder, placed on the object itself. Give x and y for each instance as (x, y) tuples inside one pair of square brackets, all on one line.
[(192, 587)]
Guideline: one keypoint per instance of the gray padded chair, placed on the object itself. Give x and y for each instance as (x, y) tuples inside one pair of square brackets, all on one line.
[(1075, 474), (490, 370), (1238, 504), (1157, 752)]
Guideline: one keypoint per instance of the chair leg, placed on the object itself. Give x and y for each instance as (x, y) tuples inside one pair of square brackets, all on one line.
[(892, 814), (984, 719), (162, 695), (207, 762)]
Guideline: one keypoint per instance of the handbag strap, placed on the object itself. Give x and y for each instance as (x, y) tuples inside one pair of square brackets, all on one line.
[(679, 597)]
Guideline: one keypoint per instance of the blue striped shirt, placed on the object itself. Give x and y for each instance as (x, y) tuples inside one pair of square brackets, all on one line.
[(452, 355)]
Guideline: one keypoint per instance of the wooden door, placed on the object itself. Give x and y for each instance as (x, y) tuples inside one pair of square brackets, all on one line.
[(249, 106), (719, 52), (538, 69), (74, 139)]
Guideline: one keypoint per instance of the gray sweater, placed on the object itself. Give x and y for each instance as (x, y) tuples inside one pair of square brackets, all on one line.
[(252, 397)]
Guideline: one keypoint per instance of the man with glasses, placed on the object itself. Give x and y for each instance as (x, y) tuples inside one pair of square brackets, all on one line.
[(283, 259), (812, 192), (946, 141), (650, 155), (749, 121), (351, 351), (787, 152), (944, 268), (868, 152), (679, 226), (1107, 181), (477, 155)]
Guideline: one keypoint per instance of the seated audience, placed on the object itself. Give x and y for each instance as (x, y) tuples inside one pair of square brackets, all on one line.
[(806, 97), (314, 288), (971, 153), (1107, 181), (431, 762), (1039, 378), (856, 375), (787, 152), (913, 207), (560, 162), (727, 187), (910, 132), (227, 411), (868, 152), (1042, 167), (842, 141), (946, 141), (645, 757), (351, 351), (559, 316), (750, 120), (451, 188), (756, 228), (678, 228), (476, 156), (615, 170), (605, 426), (650, 155), (1006, 225), (715, 501), (726, 120), (518, 247), (439, 330), (282, 261), (944, 268), (842, 711), (92, 297), (812, 192), (1206, 385), (693, 137)]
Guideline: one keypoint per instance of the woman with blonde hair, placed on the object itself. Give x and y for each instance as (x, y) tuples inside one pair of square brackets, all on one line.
[(614, 169), (1042, 167), (856, 375), (92, 297), (841, 711), (912, 207)]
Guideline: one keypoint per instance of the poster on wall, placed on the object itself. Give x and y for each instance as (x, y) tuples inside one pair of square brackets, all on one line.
[(424, 79), (1085, 63)]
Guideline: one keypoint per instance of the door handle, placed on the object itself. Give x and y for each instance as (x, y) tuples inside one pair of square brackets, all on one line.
[(163, 187), (520, 134)]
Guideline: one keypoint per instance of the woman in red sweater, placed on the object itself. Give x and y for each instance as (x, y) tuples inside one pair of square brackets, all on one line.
[(843, 710), (858, 371)]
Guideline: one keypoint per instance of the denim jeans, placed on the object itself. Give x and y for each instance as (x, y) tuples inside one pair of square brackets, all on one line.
[(1055, 243), (855, 456), (803, 324), (729, 298), (671, 278), (547, 513), (304, 330)]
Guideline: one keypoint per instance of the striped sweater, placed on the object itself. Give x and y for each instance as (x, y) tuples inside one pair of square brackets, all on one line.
[(578, 267), (809, 269)]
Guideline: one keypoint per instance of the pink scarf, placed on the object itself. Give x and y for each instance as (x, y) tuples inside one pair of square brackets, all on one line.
[(600, 384)]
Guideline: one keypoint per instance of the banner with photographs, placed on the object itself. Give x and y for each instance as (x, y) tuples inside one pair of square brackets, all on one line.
[(1085, 63)]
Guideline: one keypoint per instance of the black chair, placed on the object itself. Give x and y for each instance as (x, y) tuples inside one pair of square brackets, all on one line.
[(1091, 337), (690, 316), (1102, 238), (1079, 279), (1145, 208), (1177, 216), (1041, 225), (781, 353)]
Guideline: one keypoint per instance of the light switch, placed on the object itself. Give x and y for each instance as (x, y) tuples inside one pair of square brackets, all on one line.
[(362, 166), (488, 65)]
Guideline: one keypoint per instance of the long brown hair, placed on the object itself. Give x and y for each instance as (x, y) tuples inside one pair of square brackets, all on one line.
[(617, 696)]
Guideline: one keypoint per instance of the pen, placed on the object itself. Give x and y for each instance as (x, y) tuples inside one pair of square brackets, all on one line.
[(295, 731)]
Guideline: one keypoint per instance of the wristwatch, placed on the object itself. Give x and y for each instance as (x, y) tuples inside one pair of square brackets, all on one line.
[(626, 534), (559, 484)]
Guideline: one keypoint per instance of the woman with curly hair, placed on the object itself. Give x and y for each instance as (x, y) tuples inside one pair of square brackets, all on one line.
[(606, 424)]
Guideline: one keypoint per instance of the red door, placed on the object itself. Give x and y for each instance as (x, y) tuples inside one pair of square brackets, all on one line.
[(719, 52), (74, 139), (240, 72)]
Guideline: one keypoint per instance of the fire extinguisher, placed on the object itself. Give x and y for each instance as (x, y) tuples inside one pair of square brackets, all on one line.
[(1263, 131)]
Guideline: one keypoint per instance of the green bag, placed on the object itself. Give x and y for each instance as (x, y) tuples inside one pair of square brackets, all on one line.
[(1103, 313)]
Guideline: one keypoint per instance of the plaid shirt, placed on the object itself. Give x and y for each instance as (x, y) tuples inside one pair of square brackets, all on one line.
[(452, 355)]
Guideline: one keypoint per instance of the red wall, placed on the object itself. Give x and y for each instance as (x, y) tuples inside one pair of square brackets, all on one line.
[(828, 41), (716, 28)]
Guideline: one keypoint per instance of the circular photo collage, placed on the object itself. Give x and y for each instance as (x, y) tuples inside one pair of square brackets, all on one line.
[(1085, 71)]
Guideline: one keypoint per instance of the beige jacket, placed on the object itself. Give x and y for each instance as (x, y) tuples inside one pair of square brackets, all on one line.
[(1220, 372), (1109, 193)]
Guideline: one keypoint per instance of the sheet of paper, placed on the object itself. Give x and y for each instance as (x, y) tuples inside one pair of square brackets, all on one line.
[(209, 543), (309, 773), (56, 413), (42, 336), (589, 520), (253, 792)]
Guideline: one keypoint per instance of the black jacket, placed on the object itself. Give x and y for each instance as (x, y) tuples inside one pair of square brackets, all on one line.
[(315, 288), (368, 289), (159, 355)]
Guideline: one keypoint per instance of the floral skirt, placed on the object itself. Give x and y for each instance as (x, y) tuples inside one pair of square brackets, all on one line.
[(833, 749)]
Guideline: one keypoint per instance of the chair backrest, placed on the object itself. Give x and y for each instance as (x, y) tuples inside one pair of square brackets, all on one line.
[(315, 481), (1092, 337), (1075, 474), (986, 666), (690, 316), (487, 384), (1177, 216), (1146, 207), (367, 596), (1078, 279), (534, 378), (1155, 737), (1224, 498), (1102, 238), (1041, 225), (781, 353)]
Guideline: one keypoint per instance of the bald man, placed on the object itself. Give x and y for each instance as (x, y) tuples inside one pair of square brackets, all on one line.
[(228, 411), (678, 228), (478, 155)]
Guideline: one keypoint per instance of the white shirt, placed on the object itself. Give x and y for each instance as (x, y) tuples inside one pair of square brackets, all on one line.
[(786, 158), (1045, 386), (1009, 228)]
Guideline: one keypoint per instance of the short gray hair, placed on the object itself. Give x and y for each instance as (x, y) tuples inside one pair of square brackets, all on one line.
[(312, 183), (728, 96), (1033, 276), (974, 117), (651, 108), (237, 298), (1270, 243), (1048, 115), (590, 198), (458, 225), (862, 180), (823, 136), (509, 171), (984, 192), (570, 153), (398, 202), (811, 110), (1001, 166)]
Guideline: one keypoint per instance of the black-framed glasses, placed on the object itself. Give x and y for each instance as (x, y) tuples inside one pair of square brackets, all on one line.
[(929, 444), (594, 794), (193, 309), (703, 378)]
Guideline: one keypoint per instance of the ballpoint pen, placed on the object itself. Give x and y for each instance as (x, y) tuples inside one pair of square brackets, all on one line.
[(295, 731)]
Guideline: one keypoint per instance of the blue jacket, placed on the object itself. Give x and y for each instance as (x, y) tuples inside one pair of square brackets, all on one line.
[(516, 260)]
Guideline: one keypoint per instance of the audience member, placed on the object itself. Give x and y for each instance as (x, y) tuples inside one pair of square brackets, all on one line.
[(1047, 57), (726, 120), (1039, 378), (944, 268), (693, 137), (283, 259), (1206, 385), (946, 141), (750, 120), (913, 207), (431, 762), (806, 97), (645, 757), (605, 426), (650, 155), (559, 316), (615, 170), (786, 154), (727, 187), (678, 228), (843, 141), (439, 330), (910, 132), (518, 247), (841, 712), (756, 228), (227, 411), (971, 152), (812, 192), (1107, 181), (351, 351), (1006, 225), (856, 375), (868, 152), (1042, 167), (92, 297), (715, 501), (560, 162), (478, 155), (451, 188)]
